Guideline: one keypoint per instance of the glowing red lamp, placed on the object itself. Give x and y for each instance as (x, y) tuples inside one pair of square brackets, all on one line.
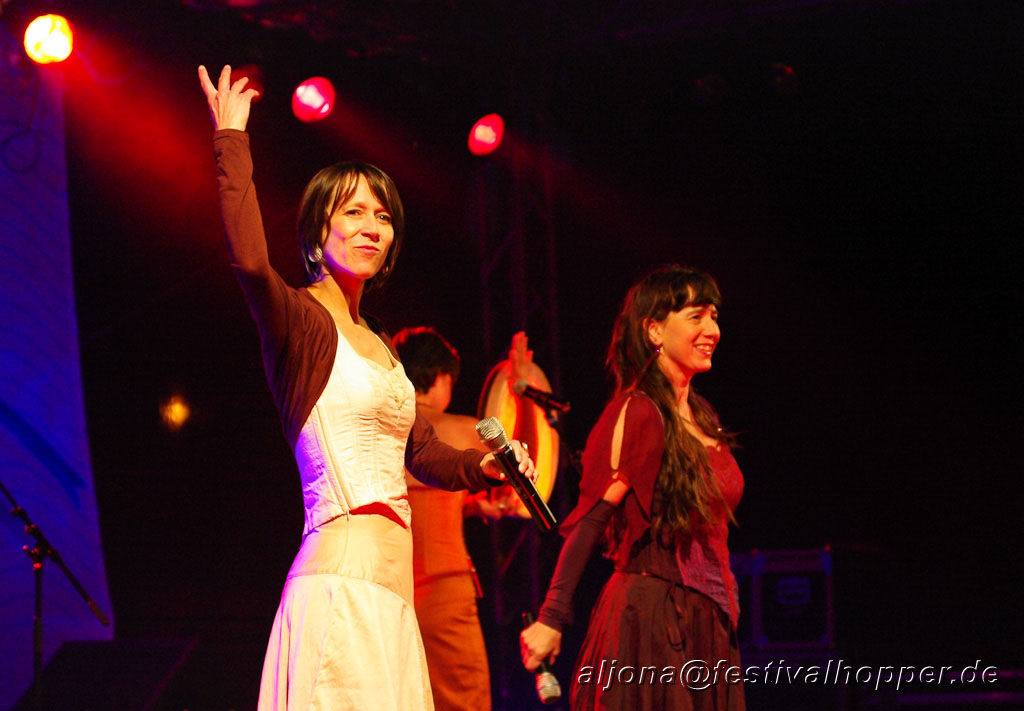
[(313, 100), (486, 135), (49, 39)]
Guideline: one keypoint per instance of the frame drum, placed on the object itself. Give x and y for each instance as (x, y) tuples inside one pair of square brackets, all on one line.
[(497, 400)]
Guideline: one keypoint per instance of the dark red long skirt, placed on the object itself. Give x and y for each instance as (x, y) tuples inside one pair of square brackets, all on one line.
[(655, 645)]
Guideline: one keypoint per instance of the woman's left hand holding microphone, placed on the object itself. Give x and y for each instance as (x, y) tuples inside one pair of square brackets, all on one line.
[(493, 469)]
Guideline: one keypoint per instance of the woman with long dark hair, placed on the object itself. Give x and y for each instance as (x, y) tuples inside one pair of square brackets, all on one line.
[(660, 483), (345, 634)]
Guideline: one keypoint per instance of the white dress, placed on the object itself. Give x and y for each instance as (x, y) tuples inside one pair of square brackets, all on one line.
[(345, 634)]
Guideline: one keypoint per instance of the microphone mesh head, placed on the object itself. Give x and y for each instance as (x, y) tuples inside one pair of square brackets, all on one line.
[(519, 387), (492, 433), (548, 689)]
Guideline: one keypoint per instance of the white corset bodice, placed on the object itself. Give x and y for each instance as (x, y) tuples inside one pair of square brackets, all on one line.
[(351, 449)]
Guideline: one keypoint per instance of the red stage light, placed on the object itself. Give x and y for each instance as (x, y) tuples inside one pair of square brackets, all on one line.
[(49, 39), (486, 135), (313, 100)]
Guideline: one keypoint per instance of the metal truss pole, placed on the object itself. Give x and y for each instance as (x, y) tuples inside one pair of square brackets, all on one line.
[(517, 239)]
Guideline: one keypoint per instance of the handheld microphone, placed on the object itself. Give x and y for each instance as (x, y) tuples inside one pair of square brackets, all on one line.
[(545, 400), (549, 691), (493, 435)]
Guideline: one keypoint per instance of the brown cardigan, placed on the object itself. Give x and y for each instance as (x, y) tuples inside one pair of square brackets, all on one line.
[(297, 334)]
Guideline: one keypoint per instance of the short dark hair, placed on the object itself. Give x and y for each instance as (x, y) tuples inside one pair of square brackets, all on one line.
[(325, 193), (426, 354)]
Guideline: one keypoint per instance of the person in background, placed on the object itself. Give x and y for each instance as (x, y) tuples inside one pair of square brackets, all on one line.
[(445, 580), (345, 634), (660, 483)]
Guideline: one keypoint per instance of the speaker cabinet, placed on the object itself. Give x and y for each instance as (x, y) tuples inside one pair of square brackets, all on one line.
[(124, 675)]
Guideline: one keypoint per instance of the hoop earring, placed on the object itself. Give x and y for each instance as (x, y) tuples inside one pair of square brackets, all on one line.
[(317, 255)]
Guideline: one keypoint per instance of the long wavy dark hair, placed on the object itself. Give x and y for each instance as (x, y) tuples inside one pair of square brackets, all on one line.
[(685, 494), (324, 194)]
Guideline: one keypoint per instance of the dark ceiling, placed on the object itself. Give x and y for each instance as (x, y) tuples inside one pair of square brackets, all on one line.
[(444, 30)]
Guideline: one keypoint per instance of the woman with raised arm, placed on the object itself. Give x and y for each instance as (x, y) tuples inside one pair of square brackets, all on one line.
[(660, 482), (345, 634)]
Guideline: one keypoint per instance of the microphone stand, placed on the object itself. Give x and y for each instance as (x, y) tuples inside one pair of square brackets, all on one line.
[(38, 554), (554, 419)]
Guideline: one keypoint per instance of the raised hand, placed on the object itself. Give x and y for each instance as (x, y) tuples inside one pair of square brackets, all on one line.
[(229, 103), (520, 358)]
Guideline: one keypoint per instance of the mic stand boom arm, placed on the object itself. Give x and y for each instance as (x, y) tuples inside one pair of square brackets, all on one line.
[(38, 554)]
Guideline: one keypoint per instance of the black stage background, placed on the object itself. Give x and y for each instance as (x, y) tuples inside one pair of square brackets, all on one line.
[(862, 216)]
